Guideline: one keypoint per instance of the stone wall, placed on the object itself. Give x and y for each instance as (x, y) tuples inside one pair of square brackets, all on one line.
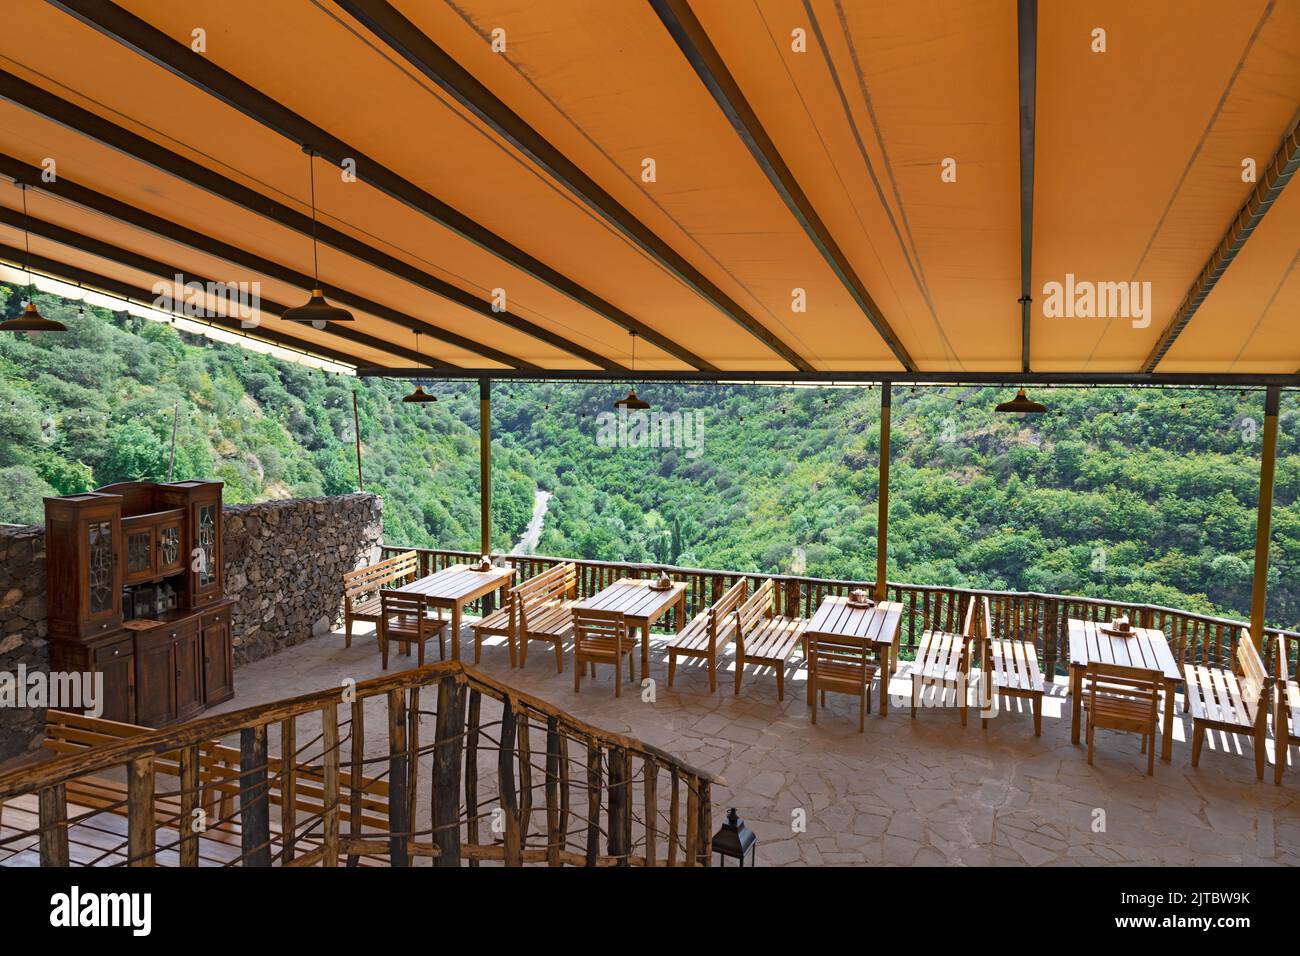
[(22, 628), (284, 561)]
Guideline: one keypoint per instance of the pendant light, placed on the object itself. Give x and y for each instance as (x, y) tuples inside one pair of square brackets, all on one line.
[(31, 320), (419, 396), (1022, 405), (315, 310), (630, 402)]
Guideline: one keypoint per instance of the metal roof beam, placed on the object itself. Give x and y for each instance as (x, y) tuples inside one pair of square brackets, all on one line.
[(41, 101), (425, 55), (694, 42), (177, 58), (1283, 166)]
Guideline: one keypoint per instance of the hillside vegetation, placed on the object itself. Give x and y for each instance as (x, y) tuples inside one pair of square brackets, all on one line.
[(1139, 494)]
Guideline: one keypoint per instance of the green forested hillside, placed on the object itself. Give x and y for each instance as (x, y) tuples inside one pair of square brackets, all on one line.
[(1140, 494)]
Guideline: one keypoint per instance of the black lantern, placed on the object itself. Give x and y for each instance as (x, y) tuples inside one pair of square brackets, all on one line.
[(735, 840)]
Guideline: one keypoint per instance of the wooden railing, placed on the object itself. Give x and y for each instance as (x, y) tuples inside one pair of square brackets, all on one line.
[(512, 780), (1042, 618)]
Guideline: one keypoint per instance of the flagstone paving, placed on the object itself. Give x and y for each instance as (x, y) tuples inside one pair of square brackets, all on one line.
[(908, 792)]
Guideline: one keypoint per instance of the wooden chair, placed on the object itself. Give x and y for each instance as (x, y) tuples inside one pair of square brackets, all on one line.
[(543, 606), (764, 639), (943, 660), (842, 667), (1123, 698), (601, 637), (500, 623), (404, 618), (708, 633), (1286, 713), (1220, 699), (361, 588), (1010, 669)]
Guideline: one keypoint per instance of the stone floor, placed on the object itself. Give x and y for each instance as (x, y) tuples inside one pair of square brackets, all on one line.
[(923, 791)]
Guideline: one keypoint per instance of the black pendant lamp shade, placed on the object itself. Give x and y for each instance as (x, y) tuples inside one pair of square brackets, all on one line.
[(419, 396), (31, 320), (631, 402), (1022, 405), (315, 310)]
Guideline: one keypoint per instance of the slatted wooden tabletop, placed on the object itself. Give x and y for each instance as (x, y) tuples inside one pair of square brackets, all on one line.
[(455, 586), (1146, 648), (642, 605), (874, 628)]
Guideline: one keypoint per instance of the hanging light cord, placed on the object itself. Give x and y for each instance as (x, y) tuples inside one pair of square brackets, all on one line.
[(311, 175)]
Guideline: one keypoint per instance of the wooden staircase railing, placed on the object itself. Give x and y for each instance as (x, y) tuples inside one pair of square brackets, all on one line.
[(504, 777), (1041, 618)]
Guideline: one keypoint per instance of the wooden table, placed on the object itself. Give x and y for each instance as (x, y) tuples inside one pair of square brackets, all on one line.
[(874, 628), (455, 586), (641, 606), (1144, 647)]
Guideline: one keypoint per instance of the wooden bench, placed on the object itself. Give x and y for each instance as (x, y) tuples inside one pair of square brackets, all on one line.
[(1011, 670), (361, 588), (943, 660), (1286, 714), (219, 777), (708, 633), (543, 610), (1220, 699), (764, 639)]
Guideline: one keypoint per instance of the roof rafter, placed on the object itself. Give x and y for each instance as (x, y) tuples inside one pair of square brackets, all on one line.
[(1027, 56), (82, 121), (142, 37), (425, 55), (691, 37), (1283, 166), (138, 218), (167, 271)]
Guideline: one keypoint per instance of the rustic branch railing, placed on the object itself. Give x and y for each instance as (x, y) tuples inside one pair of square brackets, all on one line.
[(1194, 638), (513, 781)]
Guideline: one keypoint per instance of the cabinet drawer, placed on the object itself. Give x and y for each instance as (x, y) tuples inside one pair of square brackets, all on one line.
[(114, 650), (166, 634)]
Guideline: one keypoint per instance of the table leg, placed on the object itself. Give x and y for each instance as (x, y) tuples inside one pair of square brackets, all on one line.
[(1167, 734), (645, 651), (1076, 702), (455, 631), (888, 660)]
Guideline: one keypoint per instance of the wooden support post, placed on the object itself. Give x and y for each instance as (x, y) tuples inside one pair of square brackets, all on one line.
[(185, 826), (1264, 522), (471, 775), (620, 810), (254, 807), (651, 769), (289, 789), (674, 816), (706, 824), (485, 478), (399, 778), (329, 719), (525, 780), (448, 736), (140, 842), (554, 838), (356, 760), (54, 825), (506, 784), (882, 498), (692, 820), (593, 802)]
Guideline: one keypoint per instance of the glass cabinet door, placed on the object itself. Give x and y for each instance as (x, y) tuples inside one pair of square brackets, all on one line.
[(205, 541), (139, 553), (102, 596), (169, 547)]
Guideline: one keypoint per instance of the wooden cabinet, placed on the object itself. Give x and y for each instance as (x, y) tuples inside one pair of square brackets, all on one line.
[(173, 659), (218, 658)]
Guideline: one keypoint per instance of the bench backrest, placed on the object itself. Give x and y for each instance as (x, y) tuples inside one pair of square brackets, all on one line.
[(1254, 678), (756, 607), (735, 595), (371, 578), (559, 583)]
